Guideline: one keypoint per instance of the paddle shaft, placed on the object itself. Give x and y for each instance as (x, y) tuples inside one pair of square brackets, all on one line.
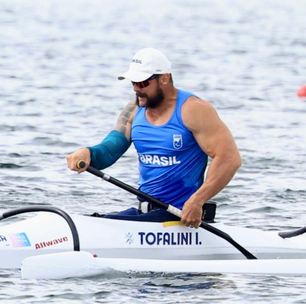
[(177, 212)]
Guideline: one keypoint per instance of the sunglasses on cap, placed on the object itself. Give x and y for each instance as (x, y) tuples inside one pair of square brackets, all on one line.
[(145, 83)]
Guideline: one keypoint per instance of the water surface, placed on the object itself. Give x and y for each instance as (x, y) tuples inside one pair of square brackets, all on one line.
[(58, 92)]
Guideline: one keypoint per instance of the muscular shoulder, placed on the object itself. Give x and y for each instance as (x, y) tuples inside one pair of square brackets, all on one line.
[(129, 111), (125, 119), (201, 118), (131, 107), (196, 113)]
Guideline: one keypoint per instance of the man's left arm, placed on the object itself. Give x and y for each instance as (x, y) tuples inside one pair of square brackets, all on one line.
[(217, 142)]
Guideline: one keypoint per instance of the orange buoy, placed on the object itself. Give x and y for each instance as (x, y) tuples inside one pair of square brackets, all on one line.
[(302, 91)]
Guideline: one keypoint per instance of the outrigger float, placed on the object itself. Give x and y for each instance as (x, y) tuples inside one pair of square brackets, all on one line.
[(56, 245)]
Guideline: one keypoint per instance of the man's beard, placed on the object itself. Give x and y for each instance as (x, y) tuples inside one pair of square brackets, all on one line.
[(152, 102)]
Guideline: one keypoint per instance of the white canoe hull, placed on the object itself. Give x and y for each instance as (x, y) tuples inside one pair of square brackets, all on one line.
[(105, 238), (82, 264)]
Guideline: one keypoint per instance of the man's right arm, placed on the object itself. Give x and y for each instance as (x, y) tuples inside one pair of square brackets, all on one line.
[(125, 119), (111, 148)]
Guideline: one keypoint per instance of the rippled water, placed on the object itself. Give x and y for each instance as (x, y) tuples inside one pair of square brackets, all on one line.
[(58, 92)]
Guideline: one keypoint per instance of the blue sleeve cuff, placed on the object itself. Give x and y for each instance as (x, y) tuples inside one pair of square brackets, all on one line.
[(109, 150)]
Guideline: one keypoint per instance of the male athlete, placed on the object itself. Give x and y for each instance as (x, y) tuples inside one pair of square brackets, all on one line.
[(174, 132)]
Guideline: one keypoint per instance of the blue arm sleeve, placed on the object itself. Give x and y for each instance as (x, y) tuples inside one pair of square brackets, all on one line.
[(109, 150)]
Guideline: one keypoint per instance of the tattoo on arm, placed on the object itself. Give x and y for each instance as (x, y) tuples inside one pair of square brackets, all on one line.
[(124, 118)]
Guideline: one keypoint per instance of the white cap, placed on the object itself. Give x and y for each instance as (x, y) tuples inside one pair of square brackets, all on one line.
[(146, 63)]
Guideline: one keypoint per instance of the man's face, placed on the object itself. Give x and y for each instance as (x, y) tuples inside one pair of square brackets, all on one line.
[(151, 96)]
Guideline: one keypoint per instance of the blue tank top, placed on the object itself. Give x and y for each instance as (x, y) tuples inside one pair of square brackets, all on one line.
[(171, 163)]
